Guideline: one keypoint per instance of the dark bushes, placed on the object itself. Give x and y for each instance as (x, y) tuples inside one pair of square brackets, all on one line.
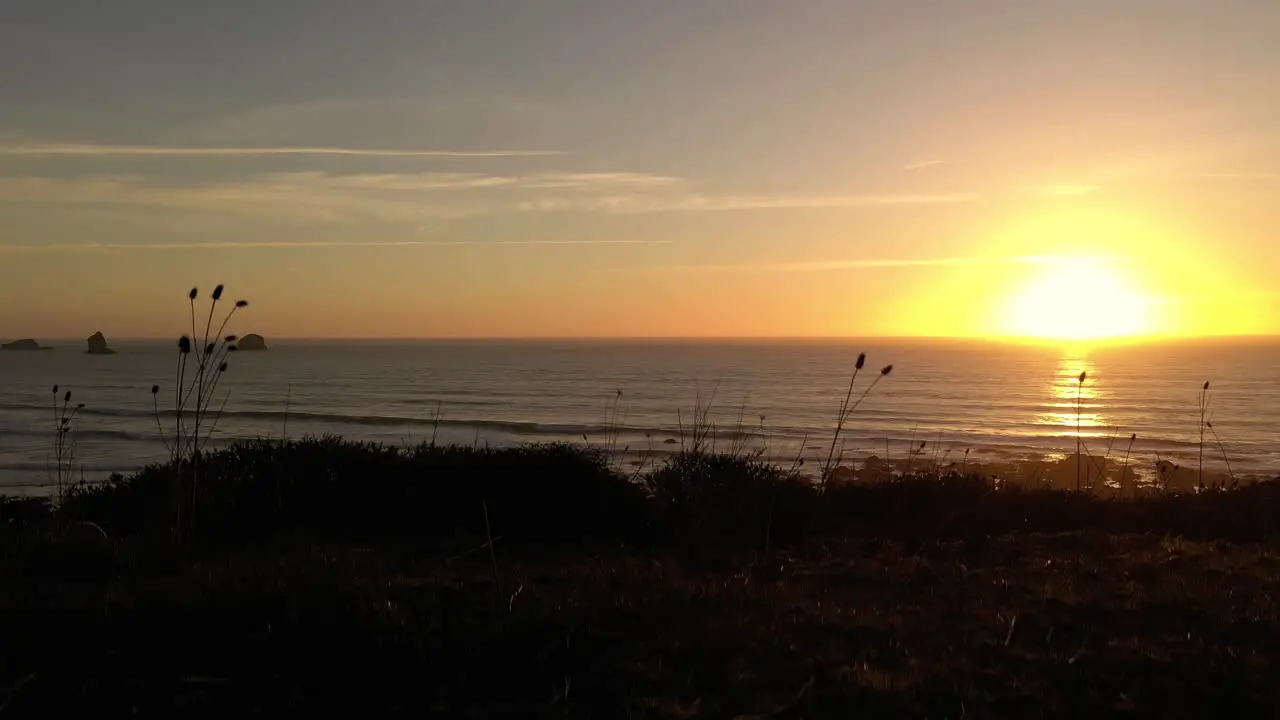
[(344, 489), (330, 488), (712, 500)]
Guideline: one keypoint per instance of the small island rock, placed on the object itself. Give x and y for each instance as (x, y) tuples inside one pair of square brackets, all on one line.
[(24, 344), (252, 342), (98, 345)]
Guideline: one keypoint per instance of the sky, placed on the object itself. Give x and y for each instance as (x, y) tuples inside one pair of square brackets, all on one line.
[(607, 168)]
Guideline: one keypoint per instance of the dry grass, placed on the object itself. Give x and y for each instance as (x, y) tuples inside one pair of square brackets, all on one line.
[(1055, 625)]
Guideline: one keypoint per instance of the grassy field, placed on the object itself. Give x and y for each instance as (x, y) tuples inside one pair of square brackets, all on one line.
[(544, 581)]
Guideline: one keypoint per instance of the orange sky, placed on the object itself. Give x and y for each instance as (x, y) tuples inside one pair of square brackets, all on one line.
[(731, 169)]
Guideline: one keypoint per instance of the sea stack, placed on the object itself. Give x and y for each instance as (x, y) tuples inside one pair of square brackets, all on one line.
[(251, 342), (24, 344), (98, 345)]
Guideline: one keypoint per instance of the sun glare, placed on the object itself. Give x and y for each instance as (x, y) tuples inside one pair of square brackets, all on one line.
[(1076, 300)]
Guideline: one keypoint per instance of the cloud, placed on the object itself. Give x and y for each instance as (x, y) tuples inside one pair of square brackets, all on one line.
[(94, 150), (860, 263), (1070, 190), (446, 181), (828, 201), (641, 203), (272, 244), (583, 180), (922, 165), (1241, 176), (417, 199)]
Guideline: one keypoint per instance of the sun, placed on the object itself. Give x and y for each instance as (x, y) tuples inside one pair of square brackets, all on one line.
[(1076, 299)]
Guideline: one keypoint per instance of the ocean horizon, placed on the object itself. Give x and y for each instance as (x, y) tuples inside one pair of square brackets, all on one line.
[(981, 400)]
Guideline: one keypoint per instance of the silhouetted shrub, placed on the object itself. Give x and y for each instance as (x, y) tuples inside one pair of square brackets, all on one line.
[(338, 488), (718, 499), (559, 493)]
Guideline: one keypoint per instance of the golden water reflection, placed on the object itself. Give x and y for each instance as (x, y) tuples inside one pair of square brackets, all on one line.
[(1074, 405)]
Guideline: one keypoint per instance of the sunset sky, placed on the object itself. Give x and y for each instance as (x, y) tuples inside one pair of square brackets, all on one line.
[(388, 168)]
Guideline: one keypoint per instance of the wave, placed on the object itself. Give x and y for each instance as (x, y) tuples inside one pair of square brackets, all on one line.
[(83, 433), (896, 428)]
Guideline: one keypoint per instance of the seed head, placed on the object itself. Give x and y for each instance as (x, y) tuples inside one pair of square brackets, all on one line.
[(217, 293), (886, 369), (155, 389), (208, 349), (242, 303), (192, 295), (862, 360), (222, 367), (233, 348), (67, 397), (80, 406), (1083, 374), (184, 345), (1206, 384), (230, 338), (55, 389)]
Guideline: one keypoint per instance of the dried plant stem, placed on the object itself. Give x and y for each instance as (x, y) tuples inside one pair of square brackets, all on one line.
[(1079, 439), (1124, 469), (1223, 449), (840, 419)]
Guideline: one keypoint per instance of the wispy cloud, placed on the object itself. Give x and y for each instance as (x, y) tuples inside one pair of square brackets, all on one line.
[(860, 263), (310, 197), (1241, 176), (303, 244), (448, 181), (1070, 190), (91, 150), (655, 203), (615, 179), (923, 164)]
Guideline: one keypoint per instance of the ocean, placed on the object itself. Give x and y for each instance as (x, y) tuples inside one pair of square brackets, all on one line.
[(983, 402)]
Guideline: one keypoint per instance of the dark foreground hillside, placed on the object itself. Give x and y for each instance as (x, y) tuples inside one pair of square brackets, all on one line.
[(325, 576)]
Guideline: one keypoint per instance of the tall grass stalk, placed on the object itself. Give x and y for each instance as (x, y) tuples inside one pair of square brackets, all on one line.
[(1223, 449), (1204, 412), (842, 414), (1124, 469), (64, 443), (701, 432), (846, 411), (195, 387), (1079, 398), (435, 423)]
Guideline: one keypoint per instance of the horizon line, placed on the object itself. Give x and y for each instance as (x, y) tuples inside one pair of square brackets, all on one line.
[(1007, 339)]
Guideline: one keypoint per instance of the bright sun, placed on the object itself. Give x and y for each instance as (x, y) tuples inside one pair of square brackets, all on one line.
[(1076, 300)]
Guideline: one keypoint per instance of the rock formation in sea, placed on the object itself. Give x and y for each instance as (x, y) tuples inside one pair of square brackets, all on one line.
[(24, 344), (98, 345), (252, 342)]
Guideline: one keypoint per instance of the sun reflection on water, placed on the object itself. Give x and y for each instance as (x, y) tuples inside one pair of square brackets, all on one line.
[(1075, 406)]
